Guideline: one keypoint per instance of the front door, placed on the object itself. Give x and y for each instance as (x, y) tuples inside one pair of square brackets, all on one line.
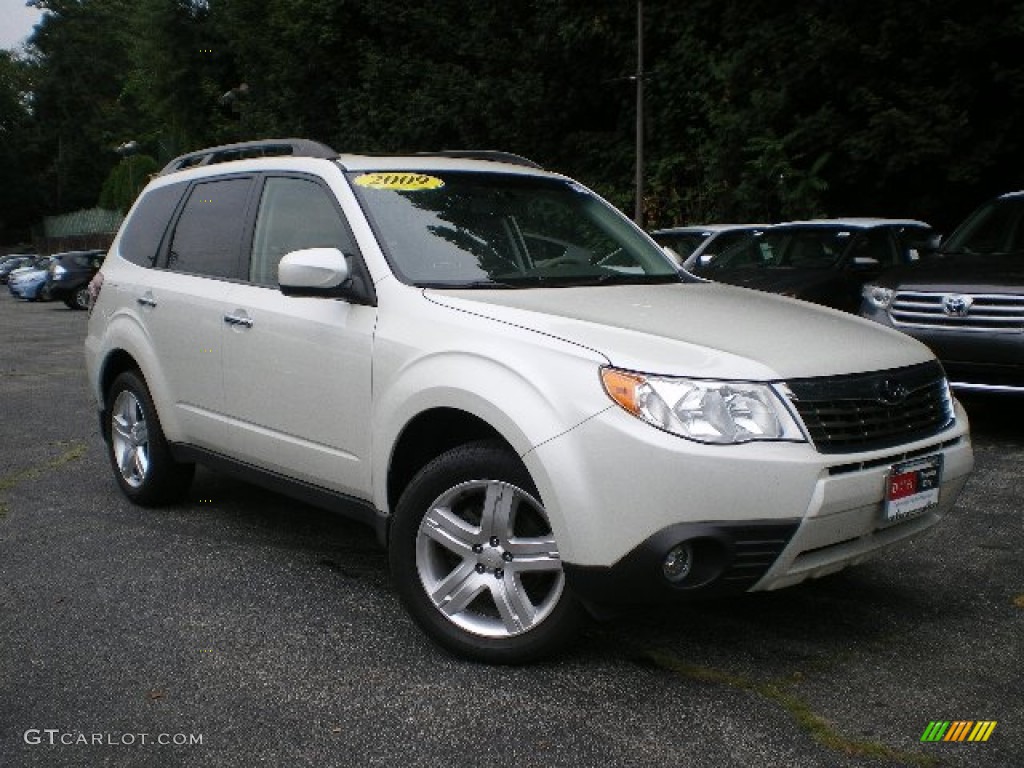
[(297, 370)]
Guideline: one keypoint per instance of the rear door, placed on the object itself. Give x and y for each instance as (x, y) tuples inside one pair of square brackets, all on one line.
[(182, 303)]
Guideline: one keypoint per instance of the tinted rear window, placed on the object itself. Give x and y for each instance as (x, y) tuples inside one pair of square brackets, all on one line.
[(207, 239), (143, 232)]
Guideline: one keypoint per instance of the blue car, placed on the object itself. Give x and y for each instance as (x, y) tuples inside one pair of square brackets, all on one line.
[(30, 282)]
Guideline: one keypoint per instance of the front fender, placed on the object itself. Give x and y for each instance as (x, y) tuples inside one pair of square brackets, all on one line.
[(529, 395)]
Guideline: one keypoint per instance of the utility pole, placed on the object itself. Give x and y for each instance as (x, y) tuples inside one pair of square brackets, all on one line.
[(639, 216)]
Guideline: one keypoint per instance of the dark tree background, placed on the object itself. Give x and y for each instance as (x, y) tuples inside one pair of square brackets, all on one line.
[(755, 110)]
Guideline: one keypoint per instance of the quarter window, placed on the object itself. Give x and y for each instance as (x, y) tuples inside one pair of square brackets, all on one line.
[(140, 241), (294, 214), (208, 238)]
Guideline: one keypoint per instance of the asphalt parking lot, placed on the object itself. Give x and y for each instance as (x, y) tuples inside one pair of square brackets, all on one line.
[(241, 629)]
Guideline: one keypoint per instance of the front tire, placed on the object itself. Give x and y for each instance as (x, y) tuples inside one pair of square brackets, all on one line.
[(137, 449), (475, 561)]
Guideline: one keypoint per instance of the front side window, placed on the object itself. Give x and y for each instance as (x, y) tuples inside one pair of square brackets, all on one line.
[(208, 237), (469, 230), (294, 213)]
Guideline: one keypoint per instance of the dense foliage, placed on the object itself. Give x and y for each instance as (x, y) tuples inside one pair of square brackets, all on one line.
[(755, 110)]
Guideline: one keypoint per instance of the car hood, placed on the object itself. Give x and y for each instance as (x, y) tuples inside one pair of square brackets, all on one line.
[(960, 272), (698, 329)]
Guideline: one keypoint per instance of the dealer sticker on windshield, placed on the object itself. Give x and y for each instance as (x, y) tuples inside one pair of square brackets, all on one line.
[(912, 488), (400, 181)]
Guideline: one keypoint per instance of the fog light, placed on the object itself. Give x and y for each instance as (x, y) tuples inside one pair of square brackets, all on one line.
[(678, 563)]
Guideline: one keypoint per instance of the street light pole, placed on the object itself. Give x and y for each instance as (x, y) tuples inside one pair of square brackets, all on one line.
[(639, 215)]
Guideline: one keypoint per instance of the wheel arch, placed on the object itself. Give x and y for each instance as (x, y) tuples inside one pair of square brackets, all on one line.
[(125, 345), (427, 436), (116, 362)]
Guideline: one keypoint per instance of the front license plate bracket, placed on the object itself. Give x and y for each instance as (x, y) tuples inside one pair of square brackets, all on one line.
[(911, 488)]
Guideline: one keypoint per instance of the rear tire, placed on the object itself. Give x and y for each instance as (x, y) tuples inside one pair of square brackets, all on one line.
[(137, 449), (475, 561), (80, 298)]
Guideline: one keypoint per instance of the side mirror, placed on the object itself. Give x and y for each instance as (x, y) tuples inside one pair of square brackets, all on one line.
[(931, 246), (321, 272), (865, 263)]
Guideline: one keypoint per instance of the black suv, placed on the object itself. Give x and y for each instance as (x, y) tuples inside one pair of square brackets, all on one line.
[(965, 301), (69, 276)]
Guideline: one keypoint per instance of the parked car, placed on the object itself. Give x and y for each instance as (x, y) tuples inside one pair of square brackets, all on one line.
[(69, 276), (825, 261), (12, 263), (29, 282), (696, 246), (967, 301), (531, 434)]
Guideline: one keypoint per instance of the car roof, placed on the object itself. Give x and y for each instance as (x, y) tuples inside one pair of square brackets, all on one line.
[(855, 222), (426, 163), (708, 228), (89, 252), (288, 153), (433, 162)]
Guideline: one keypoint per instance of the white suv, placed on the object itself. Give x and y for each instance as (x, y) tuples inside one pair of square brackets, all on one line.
[(510, 381)]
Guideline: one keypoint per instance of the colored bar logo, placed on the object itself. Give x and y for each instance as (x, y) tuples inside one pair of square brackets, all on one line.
[(958, 730)]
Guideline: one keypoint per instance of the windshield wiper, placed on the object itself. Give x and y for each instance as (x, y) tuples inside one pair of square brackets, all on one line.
[(472, 284)]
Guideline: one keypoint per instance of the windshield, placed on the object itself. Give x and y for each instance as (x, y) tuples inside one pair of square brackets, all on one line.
[(485, 230), (995, 228)]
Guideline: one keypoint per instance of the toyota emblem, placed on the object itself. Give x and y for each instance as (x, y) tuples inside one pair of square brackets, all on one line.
[(957, 305)]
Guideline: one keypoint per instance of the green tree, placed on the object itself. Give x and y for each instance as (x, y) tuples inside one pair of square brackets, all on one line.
[(759, 110), (18, 196), (125, 182), (79, 57)]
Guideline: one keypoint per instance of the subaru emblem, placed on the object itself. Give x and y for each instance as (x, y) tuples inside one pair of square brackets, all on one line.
[(892, 392), (957, 305)]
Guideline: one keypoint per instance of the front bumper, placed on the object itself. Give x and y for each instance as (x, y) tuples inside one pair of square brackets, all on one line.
[(763, 516)]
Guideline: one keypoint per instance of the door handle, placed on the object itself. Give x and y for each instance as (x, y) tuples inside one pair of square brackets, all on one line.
[(146, 300), (238, 321)]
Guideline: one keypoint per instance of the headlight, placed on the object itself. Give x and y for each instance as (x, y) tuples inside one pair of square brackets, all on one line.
[(58, 272), (877, 296), (705, 411)]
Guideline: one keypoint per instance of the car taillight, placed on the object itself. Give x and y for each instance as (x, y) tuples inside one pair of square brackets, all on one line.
[(94, 289)]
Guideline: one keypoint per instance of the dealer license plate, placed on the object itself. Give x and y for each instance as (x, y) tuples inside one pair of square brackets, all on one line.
[(911, 488)]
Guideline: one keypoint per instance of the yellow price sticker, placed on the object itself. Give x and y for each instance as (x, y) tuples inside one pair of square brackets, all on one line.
[(401, 181)]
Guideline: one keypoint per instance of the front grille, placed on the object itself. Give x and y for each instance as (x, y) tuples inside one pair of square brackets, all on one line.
[(870, 411), (1000, 313)]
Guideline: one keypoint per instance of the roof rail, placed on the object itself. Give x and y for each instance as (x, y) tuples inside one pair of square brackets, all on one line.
[(495, 156), (246, 149)]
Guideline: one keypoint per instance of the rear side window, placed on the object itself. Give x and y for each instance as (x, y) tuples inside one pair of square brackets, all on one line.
[(140, 241), (207, 239)]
